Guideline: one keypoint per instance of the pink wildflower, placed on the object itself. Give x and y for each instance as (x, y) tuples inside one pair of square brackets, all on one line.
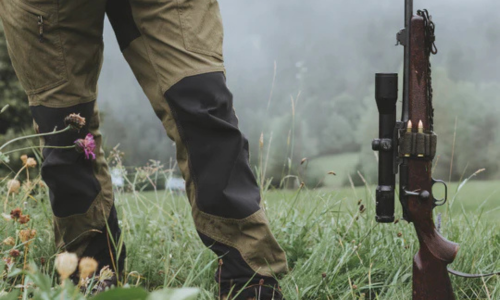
[(86, 146)]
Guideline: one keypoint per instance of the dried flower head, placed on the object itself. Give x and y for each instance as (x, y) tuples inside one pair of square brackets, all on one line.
[(24, 158), (66, 264), (10, 241), (31, 162), (13, 186), (42, 261), (23, 219), (87, 267), (400, 234), (86, 146), (303, 160), (14, 253), (332, 173), (75, 121), (16, 213), (25, 235)]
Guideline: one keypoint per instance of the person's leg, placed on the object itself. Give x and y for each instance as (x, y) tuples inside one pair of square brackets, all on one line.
[(175, 51), (56, 50)]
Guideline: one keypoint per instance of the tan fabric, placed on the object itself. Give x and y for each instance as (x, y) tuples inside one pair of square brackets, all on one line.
[(179, 38)]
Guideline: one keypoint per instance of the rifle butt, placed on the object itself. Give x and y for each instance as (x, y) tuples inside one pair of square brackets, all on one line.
[(431, 280)]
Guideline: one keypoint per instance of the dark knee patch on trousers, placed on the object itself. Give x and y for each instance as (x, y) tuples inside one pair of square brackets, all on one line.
[(202, 107), (69, 176), (119, 13)]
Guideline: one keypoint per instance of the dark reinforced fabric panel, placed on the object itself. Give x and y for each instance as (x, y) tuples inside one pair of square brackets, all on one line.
[(69, 176), (202, 106), (120, 16)]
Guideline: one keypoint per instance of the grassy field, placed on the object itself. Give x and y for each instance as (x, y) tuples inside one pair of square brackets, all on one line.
[(334, 250)]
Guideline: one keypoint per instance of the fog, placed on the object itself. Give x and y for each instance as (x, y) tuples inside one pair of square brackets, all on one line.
[(323, 54)]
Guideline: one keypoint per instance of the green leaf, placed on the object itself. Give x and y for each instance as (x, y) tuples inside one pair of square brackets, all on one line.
[(123, 294), (175, 294), (11, 296), (4, 158)]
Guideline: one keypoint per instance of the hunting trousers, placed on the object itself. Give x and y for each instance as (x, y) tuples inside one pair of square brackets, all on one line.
[(174, 48)]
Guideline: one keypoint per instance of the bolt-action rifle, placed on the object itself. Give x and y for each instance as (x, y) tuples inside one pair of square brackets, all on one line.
[(408, 147)]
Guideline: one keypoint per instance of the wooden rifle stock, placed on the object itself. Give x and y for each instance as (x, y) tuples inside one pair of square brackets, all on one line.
[(430, 274)]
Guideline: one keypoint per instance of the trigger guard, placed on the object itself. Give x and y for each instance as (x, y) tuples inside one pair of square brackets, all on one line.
[(440, 202)]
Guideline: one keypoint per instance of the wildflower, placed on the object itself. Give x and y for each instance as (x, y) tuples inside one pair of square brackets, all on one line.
[(16, 213), (9, 241), (24, 158), (87, 267), (31, 162), (13, 186), (23, 219), (75, 121), (14, 253), (25, 235), (66, 264), (86, 146)]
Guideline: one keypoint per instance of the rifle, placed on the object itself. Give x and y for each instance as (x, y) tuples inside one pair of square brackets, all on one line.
[(409, 146)]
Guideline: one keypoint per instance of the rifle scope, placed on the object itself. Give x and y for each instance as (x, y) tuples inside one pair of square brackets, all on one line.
[(386, 94)]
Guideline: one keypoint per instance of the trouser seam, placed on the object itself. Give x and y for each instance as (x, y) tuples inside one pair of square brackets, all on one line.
[(64, 104)]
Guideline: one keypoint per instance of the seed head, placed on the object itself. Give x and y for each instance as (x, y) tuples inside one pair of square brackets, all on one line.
[(31, 162), (359, 202), (42, 261), (396, 221), (323, 275), (16, 213), (25, 235), (75, 121), (400, 234), (66, 264), (361, 208), (354, 287), (87, 267), (23, 219), (332, 173), (24, 158), (9, 241), (14, 253), (13, 186), (303, 160), (261, 141)]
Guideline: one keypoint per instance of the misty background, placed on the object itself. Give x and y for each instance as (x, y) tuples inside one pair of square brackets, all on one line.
[(302, 75)]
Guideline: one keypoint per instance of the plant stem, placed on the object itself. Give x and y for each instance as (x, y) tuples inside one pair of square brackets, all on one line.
[(48, 147), (34, 135)]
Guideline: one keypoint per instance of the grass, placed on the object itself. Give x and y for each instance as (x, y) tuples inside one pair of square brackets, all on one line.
[(341, 164), (334, 251)]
